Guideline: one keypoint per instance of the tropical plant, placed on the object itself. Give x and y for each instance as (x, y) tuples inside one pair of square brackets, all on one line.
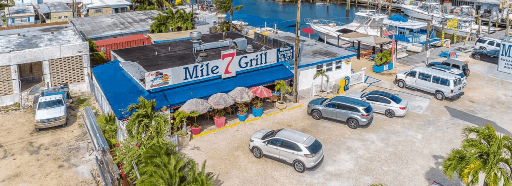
[(162, 24), (144, 7), (322, 74), (257, 103), (145, 123), (160, 165), (242, 109), (282, 87), (181, 118), (219, 113), (97, 56), (178, 20), (383, 58), (196, 124), (482, 152), (226, 6), (108, 126)]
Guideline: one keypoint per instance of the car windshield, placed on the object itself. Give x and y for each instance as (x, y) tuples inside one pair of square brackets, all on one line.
[(50, 104), (395, 99), (368, 109), (270, 134), (314, 147)]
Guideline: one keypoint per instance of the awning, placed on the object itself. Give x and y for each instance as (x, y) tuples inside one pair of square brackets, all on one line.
[(121, 90)]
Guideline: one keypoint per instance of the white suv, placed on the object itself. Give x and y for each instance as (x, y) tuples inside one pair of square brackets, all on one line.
[(301, 150), (50, 112), (487, 43)]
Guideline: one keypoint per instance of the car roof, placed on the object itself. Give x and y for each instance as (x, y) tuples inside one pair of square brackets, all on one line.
[(380, 93), (489, 38), (446, 68), (436, 72), (292, 135), (351, 101), (52, 97), (453, 61)]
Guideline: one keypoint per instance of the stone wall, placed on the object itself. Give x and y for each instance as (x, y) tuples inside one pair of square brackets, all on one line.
[(67, 70), (6, 87)]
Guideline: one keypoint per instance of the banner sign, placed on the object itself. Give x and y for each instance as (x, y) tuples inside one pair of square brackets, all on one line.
[(225, 67), (505, 60), (452, 23)]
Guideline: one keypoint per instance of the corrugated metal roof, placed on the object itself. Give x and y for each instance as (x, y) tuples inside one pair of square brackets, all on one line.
[(56, 7), (120, 39), (43, 9)]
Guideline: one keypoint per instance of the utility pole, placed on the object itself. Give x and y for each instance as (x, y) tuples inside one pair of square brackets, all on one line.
[(296, 57), (508, 22), (427, 42), (442, 34), (478, 21), (348, 5)]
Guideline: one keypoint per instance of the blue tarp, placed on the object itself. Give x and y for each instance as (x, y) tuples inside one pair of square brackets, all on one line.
[(397, 17), (121, 90)]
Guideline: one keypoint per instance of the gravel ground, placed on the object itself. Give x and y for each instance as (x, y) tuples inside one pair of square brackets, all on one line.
[(54, 156), (397, 151)]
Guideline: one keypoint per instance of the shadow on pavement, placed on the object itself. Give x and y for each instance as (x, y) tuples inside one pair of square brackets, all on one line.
[(436, 174), (464, 116)]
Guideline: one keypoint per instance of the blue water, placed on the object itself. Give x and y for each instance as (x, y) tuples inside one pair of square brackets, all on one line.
[(257, 12)]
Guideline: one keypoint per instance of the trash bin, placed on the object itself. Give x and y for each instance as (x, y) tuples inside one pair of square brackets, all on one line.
[(342, 84)]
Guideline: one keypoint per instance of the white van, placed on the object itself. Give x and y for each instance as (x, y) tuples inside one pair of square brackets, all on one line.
[(487, 43), (442, 84)]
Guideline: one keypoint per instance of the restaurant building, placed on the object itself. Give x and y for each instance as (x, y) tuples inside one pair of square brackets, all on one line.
[(174, 72)]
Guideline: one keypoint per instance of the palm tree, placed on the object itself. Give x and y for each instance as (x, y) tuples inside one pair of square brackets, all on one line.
[(160, 165), (146, 124), (322, 74), (482, 151), (162, 24), (108, 126), (282, 87), (225, 6)]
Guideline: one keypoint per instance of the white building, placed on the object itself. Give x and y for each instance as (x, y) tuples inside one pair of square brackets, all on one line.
[(19, 15), (44, 56)]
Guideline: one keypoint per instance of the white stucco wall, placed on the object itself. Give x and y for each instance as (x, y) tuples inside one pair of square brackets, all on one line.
[(306, 75)]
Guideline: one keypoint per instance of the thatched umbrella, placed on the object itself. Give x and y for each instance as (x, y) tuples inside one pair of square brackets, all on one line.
[(220, 100), (196, 105), (241, 94)]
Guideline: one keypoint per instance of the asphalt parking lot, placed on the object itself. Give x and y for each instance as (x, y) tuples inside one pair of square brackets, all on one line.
[(393, 151)]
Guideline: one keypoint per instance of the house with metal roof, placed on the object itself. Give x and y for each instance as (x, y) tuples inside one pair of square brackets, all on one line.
[(59, 12), (19, 15), (104, 7)]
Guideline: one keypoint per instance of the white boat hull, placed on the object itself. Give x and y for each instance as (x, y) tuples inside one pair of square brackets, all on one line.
[(412, 12)]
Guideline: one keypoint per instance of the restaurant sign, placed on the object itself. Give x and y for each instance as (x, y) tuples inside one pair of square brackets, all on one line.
[(505, 60), (226, 67)]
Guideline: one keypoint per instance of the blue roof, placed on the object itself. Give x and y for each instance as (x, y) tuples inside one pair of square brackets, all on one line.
[(121, 90)]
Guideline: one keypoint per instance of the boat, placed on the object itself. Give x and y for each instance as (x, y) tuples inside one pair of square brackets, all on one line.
[(465, 26), (410, 33), (426, 11)]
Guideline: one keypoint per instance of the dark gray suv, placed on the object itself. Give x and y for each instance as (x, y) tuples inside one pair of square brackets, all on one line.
[(353, 111)]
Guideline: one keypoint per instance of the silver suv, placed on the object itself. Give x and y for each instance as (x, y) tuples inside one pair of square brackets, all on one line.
[(301, 150), (355, 112)]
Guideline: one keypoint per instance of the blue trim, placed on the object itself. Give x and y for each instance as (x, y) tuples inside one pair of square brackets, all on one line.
[(327, 61), (171, 40)]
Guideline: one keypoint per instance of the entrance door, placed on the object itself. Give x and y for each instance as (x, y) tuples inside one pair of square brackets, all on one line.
[(31, 74)]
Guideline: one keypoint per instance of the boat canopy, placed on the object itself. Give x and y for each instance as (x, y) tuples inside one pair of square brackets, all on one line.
[(399, 18)]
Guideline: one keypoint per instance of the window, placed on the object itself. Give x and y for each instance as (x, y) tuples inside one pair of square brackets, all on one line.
[(456, 66), (63, 17), (498, 45), (368, 109), (275, 142), (290, 145), (372, 98), (319, 68), (98, 10), (396, 99), (23, 19), (328, 67), (491, 43), (352, 109), (424, 77), (446, 64), (314, 147), (456, 82), (384, 100), (436, 79), (480, 40), (338, 65), (445, 82), (412, 74), (50, 104), (331, 105)]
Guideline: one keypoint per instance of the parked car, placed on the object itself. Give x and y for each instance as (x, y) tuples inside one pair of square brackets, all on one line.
[(460, 65), (383, 102), (353, 111), (301, 150), (50, 111), (441, 84), (492, 56), (487, 43)]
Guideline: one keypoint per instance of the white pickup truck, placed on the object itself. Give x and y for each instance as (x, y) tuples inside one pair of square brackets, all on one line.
[(51, 110)]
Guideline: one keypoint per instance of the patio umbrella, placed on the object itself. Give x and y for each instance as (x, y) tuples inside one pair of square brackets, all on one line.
[(220, 100), (308, 31), (198, 105), (261, 91), (241, 94)]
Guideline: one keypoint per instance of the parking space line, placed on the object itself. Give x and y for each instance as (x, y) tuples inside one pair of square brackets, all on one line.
[(403, 92), (246, 121)]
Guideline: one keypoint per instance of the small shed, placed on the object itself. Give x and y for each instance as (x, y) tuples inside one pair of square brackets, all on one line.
[(108, 45)]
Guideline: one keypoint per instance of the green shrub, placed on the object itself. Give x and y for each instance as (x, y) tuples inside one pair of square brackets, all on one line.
[(383, 58)]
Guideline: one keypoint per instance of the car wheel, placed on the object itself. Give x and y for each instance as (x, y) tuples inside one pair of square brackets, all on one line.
[(37, 130), (257, 152), (316, 114), (389, 113), (299, 166), (65, 124), (476, 56), (401, 83), (352, 123), (439, 95), (483, 48)]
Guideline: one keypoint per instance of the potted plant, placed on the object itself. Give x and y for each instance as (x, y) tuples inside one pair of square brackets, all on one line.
[(242, 112), (383, 62), (282, 88), (179, 129), (257, 108), (219, 119), (322, 74), (195, 128)]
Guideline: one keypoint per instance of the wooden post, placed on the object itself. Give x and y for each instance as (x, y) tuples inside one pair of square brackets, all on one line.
[(489, 27), (348, 4), (358, 49), (390, 6), (296, 57), (442, 34), (380, 30), (428, 37), (508, 23), (479, 26)]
